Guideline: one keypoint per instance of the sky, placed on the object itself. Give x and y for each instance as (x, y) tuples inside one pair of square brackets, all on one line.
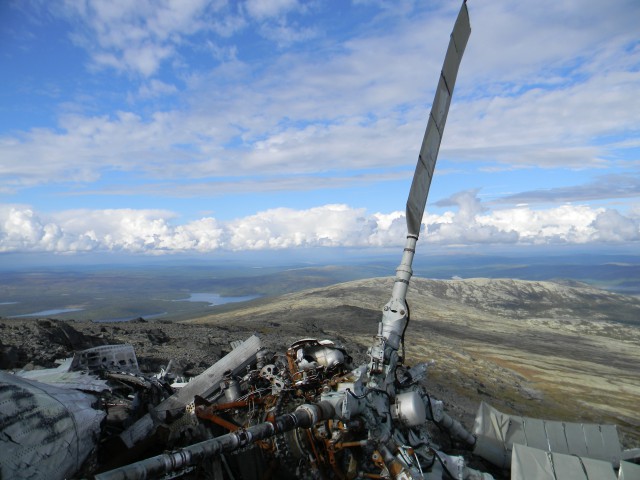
[(209, 126)]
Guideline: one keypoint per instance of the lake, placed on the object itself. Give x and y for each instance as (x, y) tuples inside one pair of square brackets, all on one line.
[(44, 313), (214, 299)]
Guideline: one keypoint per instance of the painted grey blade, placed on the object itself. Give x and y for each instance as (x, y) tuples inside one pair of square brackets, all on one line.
[(435, 126)]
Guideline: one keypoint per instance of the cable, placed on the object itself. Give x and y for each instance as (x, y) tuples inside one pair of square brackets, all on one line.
[(424, 444), (357, 397), (369, 391), (405, 328), (433, 419), (435, 453)]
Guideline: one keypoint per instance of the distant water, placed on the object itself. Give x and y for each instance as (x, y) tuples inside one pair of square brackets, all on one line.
[(8, 303), (45, 313), (128, 319), (214, 299)]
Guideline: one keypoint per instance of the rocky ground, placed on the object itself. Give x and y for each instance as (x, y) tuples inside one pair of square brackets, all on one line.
[(27, 344)]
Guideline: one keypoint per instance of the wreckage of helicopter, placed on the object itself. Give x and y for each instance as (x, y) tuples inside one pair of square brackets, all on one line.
[(308, 412)]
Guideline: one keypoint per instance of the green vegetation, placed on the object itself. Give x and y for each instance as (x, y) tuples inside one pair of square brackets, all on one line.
[(125, 293)]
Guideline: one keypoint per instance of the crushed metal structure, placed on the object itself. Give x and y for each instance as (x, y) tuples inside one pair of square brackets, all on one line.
[(305, 413)]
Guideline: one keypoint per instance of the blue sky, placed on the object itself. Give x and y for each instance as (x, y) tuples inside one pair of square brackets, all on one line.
[(212, 126)]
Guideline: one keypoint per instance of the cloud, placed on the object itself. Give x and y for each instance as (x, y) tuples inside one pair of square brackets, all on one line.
[(467, 225), (335, 225), (474, 223), (357, 105), (297, 183), (604, 187), (261, 9), (123, 230), (614, 227), (139, 37), (561, 97), (284, 34), (327, 226), (548, 128), (134, 36), (156, 88)]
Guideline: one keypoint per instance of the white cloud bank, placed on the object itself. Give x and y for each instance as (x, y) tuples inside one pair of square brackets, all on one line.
[(155, 231)]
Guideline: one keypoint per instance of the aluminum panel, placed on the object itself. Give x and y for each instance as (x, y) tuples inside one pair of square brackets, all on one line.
[(209, 381), (451, 66), (593, 438), (461, 30), (629, 471), (612, 451), (528, 463), (555, 435), (45, 431), (575, 439), (422, 177), (441, 103), (535, 434), (497, 433), (598, 469), (515, 433), (567, 467), (107, 357)]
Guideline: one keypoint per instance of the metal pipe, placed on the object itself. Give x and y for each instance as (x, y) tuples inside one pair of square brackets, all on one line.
[(305, 416), (457, 430)]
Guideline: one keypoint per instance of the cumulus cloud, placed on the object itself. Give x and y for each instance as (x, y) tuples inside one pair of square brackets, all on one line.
[(327, 226), (612, 226), (336, 225)]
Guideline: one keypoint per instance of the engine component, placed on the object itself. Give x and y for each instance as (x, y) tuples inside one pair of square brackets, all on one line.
[(409, 409)]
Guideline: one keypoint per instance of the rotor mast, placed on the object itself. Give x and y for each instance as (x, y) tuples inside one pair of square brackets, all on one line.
[(395, 312)]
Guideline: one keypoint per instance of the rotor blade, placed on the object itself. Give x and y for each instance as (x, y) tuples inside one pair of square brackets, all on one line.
[(435, 126)]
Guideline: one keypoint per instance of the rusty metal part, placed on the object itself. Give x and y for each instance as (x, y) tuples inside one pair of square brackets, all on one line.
[(232, 427), (304, 416), (236, 404)]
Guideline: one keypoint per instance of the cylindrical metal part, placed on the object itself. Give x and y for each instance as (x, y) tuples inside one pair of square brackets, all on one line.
[(304, 416), (409, 409), (404, 271), (231, 388), (261, 357), (327, 356), (456, 429)]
